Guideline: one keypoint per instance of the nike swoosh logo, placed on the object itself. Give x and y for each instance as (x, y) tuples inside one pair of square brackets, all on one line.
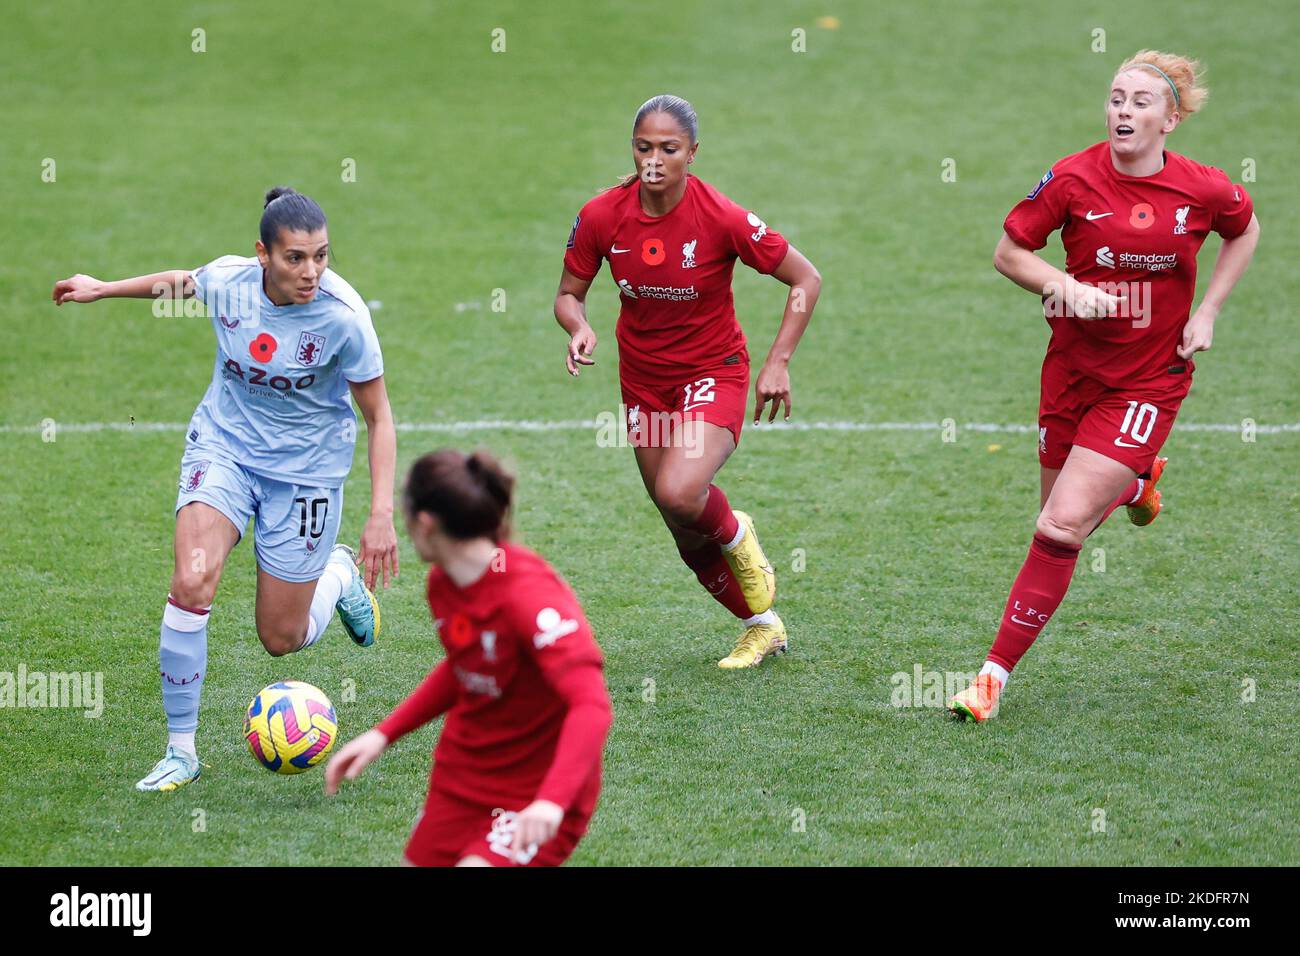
[(1025, 623), (1101, 215), (615, 250), (1124, 444)]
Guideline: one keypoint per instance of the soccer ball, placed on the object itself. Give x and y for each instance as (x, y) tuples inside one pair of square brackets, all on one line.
[(290, 726)]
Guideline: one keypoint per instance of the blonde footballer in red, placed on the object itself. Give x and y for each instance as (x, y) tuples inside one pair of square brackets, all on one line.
[(1133, 216)]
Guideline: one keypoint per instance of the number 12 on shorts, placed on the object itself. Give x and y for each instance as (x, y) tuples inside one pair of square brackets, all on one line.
[(1137, 424), (698, 393)]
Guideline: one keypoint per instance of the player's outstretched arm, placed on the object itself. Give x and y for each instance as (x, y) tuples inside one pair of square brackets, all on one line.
[(354, 757), (1234, 256), (773, 382), (1031, 272), (434, 696), (571, 313), (175, 283)]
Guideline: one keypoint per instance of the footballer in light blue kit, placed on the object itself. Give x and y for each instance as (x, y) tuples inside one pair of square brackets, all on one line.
[(272, 441)]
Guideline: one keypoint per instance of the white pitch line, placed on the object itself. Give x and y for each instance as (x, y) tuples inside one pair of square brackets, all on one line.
[(590, 425)]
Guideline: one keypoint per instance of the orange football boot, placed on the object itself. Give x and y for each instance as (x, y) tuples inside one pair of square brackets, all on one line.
[(979, 701), (1144, 511)]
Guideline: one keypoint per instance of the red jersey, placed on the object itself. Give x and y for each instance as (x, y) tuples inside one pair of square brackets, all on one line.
[(527, 706), (1135, 236), (673, 273)]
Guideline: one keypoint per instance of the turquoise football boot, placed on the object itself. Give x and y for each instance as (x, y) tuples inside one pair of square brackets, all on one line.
[(174, 771), (357, 607)]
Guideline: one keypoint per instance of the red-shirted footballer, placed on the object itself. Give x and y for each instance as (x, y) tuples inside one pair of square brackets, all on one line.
[(516, 772), (1132, 217), (672, 241)]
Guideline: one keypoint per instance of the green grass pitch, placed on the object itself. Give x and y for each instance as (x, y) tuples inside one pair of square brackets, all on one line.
[(1153, 723)]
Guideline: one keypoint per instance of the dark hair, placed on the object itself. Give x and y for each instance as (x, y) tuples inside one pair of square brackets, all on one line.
[(676, 107), (286, 208), (470, 494)]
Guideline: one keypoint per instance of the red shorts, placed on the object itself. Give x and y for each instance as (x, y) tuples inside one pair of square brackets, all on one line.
[(1127, 425), (449, 829), (656, 408)]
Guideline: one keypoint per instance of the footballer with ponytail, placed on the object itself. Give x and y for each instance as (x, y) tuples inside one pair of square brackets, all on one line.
[(1133, 216), (461, 496), (516, 771), (672, 241), (272, 440)]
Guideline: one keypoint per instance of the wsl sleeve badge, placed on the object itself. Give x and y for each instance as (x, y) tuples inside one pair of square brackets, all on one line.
[(1047, 178), (573, 233), (290, 727)]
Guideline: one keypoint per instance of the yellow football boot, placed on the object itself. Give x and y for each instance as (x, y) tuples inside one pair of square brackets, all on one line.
[(757, 642), (753, 572)]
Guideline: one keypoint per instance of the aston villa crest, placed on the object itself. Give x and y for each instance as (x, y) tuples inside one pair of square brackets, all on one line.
[(310, 348)]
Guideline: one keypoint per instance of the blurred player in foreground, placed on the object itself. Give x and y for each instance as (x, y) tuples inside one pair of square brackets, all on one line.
[(516, 771)]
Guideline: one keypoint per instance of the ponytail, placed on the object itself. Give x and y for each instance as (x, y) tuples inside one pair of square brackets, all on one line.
[(286, 208), (470, 494)]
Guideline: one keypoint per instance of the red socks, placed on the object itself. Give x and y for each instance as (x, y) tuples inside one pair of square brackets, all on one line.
[(1037, 592), (1125, 497), (719, 525), (716, 520), (715, 574)]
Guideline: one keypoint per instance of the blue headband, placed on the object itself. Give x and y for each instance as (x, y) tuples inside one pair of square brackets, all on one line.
[(1167, 80)]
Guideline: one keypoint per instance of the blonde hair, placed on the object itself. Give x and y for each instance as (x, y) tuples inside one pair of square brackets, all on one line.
[(1183, 72)]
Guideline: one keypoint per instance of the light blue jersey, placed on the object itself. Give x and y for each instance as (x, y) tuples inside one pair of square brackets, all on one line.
[(279, 403)]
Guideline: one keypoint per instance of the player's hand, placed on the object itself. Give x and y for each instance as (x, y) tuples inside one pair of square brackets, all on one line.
[(79, 288), (535, 824), (581, 345), (1089, 302), (1198, 333), (378, 549), (357, 754), (772, 385)]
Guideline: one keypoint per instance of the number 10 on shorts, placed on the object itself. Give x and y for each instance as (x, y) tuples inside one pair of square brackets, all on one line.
[(312, 513), (1138, 422)]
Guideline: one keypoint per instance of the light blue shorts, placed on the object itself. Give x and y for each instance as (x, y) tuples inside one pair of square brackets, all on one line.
[(296, 524)]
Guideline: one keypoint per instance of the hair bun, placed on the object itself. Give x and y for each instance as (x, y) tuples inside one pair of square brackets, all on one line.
[(487, 471), (469, 493), (276, 192)]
